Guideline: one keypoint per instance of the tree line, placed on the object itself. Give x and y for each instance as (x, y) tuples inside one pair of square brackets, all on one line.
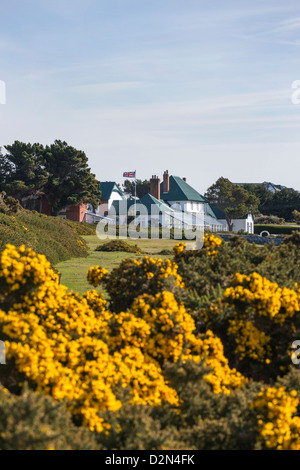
[(60, 174), (57, 172)]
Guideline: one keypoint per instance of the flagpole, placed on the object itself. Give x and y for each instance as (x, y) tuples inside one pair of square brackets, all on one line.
[(135, 192)]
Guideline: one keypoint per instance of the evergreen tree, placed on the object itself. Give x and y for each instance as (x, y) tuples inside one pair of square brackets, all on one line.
[(58, 172), (232, 199), (22, 174), (70, 180)]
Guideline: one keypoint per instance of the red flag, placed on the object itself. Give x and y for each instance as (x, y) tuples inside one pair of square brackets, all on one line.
[(129, 174)]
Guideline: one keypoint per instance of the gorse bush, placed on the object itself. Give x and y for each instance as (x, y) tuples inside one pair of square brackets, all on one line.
[(203, 273), (32, 421), (250, 298), (134, 277), (72, 348), (119, 245), (56, 238), (269, 219), (187, 353), (8, 204)]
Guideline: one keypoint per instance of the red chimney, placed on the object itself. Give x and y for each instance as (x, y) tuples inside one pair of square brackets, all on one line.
[(155, 187), (166, 182)]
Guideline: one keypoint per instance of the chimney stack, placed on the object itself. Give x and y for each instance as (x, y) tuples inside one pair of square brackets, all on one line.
[(184, 179), (155, 187), (166, 182)]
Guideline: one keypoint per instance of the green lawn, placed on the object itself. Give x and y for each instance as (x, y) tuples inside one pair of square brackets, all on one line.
[(73, 272)]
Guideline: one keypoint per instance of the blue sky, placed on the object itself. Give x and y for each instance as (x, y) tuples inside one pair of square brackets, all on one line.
[(200, 88)]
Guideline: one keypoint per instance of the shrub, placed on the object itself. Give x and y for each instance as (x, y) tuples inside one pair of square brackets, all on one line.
[(296, 216), (33, 421), (206, 421), (166, 252), (269, 219), (54, 237), (133, 277), (189, 353), (119, 245), (135, 428), (278, 421), (8, 204), (248, 297), (59, 343), (73, 349), (294, 238), (205, 275)]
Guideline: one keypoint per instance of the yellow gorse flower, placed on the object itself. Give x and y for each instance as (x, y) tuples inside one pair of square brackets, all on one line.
[(277, 420), (74, 349), (264, 296), (212, 243)]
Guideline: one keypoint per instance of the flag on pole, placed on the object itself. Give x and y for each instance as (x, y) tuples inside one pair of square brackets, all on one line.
[(129, 174)]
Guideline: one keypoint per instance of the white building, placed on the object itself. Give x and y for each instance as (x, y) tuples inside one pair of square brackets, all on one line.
[(170, 203)]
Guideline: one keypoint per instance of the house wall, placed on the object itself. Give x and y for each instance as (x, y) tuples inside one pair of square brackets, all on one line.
[(45, 207), (242, 224), (76, 213), (218, 227), (105, 205), (188, 206)]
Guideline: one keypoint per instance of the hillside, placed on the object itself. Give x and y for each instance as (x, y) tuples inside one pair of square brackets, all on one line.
[(56, 238)]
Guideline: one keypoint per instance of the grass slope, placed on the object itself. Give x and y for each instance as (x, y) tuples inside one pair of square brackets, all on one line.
[(56, 238), (73, 272)]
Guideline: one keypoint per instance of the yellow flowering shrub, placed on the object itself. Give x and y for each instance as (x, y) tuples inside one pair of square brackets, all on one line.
[(58, 342), (250, 340), (20, 267), (178, 249), (101, 358), (171, 327), (265, 297), (165, 331), (260, 318), (74, 349), (95, 275), (136, 277), (277, 419), (212, 242)]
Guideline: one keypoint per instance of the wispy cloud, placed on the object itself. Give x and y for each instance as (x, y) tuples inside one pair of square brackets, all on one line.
[(284, 26), (109, 87)]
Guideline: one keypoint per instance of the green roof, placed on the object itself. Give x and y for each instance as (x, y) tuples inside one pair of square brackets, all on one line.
[(122, 207), (149, 200), (106, 188), (246, 216), (180, 191), (215, 212)]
